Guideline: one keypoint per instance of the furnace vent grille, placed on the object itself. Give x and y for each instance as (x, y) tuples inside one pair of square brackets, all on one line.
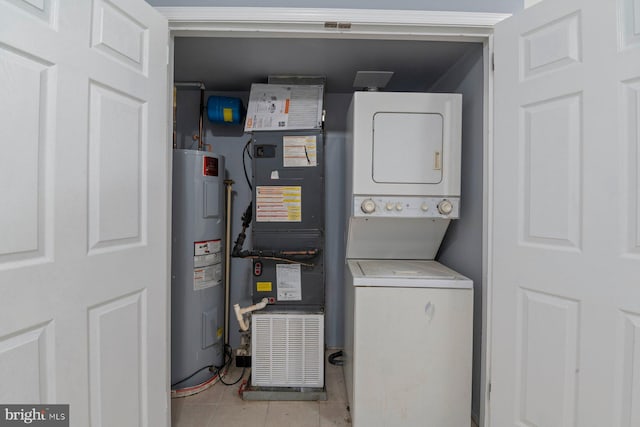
[(287, 350)]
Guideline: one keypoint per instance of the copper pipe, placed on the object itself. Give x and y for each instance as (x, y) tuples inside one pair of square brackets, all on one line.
[(228, 183)]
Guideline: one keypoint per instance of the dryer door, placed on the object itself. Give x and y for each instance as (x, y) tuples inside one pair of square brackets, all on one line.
[(407, 148)]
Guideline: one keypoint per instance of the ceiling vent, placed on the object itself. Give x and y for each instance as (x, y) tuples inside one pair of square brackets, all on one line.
[(372, 80)]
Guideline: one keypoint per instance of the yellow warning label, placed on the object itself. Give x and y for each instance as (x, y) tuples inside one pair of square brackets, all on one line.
[(219, 332), (263, 286), (279, 204), (227, 114)]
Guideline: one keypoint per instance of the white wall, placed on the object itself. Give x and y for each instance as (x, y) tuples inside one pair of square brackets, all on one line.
[(503, 6)]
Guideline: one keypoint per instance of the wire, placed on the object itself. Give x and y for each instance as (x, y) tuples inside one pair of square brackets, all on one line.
[(333, 358), (229, 353), (195, 373), (219, 370), (245, 150), (275, 258), (236, 381)]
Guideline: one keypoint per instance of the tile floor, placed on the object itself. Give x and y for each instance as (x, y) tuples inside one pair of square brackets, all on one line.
[(222, 406)]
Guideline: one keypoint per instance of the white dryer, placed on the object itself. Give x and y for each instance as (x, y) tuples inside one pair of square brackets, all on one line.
[(402, 173)]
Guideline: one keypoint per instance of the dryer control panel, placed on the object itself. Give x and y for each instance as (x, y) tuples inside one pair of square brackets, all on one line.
[(406, 207)]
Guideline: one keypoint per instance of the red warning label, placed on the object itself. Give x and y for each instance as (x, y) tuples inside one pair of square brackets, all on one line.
[(209, 166)]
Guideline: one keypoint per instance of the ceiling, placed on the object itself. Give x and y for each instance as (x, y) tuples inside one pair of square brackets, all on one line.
[(232, 64)]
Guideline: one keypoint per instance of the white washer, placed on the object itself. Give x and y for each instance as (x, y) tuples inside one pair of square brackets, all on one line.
[(408, 343)]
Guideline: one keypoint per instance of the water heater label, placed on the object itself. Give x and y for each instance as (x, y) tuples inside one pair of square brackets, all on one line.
[(207, 264), (207, 247), (288, 281), (279, 204), (207, 277), (204, 260), (209, 166)]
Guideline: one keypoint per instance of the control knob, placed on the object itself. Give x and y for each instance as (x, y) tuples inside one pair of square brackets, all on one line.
[(368, 206), (445, 207)]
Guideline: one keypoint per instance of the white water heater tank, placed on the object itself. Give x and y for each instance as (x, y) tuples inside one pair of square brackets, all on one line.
[(197, 263)]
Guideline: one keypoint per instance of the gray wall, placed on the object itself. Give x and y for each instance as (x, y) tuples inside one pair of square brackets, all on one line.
[(462, 245), (503, 6)]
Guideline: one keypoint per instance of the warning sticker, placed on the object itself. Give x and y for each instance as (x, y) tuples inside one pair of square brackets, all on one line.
[(209, 259), (263, 286), (207, 247), (207, 277), (209, 166), (207, 264), (288, 282), (278, 204), (299, 151)]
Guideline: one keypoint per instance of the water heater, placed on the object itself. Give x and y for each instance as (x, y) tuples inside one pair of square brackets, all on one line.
[(197, 263)]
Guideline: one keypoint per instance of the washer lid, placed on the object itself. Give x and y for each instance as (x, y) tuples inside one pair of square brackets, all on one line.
[(405, 268), (405, 273)]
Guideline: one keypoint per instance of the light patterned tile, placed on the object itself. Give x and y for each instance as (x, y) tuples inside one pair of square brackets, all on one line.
[(192, 415), (334, 415), (336, 391), (293, 414), (210, 396), (176, 409), (249, 414), (229, 393)]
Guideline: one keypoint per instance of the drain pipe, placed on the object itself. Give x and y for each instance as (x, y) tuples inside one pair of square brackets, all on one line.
[(240, 312), (228, 183)]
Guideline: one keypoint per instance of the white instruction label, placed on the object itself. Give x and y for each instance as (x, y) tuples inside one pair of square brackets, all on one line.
[(207, 247), (207, 277), (207, 264), (204, 260), (289, 282), (299, 151), (280, 107)]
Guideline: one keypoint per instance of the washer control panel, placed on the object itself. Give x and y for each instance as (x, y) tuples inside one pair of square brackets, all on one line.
[(406, 207)]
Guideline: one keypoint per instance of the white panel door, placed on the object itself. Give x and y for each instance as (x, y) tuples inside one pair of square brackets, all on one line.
[(83, 217), (566, 230)]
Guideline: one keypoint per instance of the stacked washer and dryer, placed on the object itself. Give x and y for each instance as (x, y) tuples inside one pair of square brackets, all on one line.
[(408, 318)]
